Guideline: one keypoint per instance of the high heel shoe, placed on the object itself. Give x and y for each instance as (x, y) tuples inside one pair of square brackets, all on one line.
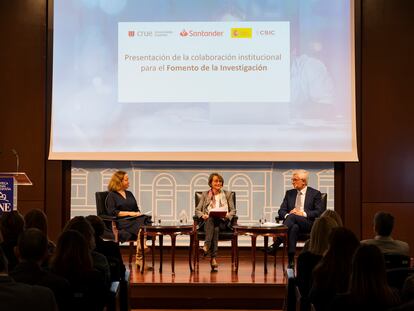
[(205, 250), (139, 264), (213, 264)]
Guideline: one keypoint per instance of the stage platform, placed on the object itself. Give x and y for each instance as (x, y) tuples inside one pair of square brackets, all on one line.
[(203, 289)]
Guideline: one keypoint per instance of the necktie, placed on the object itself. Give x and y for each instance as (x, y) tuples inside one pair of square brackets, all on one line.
[(298, 201)]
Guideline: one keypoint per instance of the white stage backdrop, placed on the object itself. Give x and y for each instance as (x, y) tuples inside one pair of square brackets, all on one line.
[(242, 80), (167, 189)]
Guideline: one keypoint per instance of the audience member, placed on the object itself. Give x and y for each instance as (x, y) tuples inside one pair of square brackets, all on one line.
[(80, 224), (407, 295), (334, 215), (11, 225), (72, 260), (109, 249), (368, 289), (331, 275), (331, 214), (31, 251), (383, 225), (36, 218), (22, 297), (318, 244)]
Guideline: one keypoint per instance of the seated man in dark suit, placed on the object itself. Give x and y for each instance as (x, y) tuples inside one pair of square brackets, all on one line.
[(299, 209), (383, 225)]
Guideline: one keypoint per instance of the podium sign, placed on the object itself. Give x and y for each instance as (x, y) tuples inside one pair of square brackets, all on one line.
[(8, 194), (8, 189)]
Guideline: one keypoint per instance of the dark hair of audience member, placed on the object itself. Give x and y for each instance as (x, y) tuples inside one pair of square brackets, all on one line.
[(334, 215), (80, 224), (36, 218), (97, 224), (32, 245), (334, 270), (383, 223), (407, 292), (368, 278), (3, 262), (11, 225), (72, 256)]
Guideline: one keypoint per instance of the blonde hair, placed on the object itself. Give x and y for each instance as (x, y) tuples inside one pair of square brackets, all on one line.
[(115, 184), (319, 236), (334, 215)]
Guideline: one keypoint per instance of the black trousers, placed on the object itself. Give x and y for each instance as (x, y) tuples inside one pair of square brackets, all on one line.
[(297, 225)]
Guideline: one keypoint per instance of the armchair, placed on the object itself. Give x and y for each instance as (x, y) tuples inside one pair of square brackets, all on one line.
[(393, 261), (198, 225), (111, 230)]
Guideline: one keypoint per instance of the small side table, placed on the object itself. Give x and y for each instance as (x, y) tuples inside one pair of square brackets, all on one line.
[(254, 230), (171, 229)]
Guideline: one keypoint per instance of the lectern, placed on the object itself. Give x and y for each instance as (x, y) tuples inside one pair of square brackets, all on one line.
[(8, 189)]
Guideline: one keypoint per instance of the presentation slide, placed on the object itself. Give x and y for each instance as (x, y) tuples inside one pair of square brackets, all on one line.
[(222, 62), (225, 80)]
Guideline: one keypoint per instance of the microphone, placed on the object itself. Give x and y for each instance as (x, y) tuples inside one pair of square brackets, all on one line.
[(17, 159)]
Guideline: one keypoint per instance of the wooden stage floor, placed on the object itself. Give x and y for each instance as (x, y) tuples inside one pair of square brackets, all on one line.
[(224, 289)]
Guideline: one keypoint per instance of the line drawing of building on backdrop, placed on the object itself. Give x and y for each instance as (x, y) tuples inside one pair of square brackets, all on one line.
[(169, 193)]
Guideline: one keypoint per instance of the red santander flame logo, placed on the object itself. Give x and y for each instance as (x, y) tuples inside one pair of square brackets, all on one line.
[(184, 33)]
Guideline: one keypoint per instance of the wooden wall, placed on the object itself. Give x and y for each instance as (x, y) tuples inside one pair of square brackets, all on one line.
[(382, 180), (24, 102)]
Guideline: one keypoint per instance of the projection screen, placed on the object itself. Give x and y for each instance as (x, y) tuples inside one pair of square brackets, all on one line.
[(217, 80)]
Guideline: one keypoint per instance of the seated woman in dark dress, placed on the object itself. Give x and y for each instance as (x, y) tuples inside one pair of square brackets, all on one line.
[(121, 202), (216, 197)]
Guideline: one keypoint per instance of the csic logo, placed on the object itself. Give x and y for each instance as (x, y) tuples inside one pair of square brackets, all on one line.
[(266, 33), (184, 33), (131, 33)]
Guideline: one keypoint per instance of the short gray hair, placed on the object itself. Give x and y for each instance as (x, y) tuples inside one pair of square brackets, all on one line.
[(303, 174)]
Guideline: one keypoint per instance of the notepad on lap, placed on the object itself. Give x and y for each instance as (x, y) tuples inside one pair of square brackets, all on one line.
[(218, 212)]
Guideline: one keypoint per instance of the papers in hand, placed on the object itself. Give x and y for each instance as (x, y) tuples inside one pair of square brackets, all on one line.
[(219, 212)]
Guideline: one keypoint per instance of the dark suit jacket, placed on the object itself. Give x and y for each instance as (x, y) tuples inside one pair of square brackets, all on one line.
[(32, 274), (22, 297), (312, 204)]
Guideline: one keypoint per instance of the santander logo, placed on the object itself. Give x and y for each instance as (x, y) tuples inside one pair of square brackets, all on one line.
[(201, 33)]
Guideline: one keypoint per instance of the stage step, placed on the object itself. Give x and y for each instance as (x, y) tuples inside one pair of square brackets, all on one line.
[(207, 295)]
